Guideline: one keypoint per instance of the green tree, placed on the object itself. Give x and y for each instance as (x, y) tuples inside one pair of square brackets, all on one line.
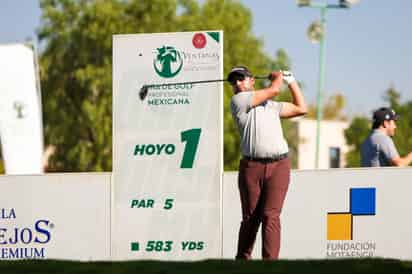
[(403, 136), (76, 67), (392, 97), (332, 109), (355, 134)]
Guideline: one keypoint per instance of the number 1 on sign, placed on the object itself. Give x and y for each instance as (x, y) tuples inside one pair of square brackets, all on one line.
[(191, 137)]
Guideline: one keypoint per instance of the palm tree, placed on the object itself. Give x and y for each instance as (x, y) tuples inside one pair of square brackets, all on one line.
[(166, 55)]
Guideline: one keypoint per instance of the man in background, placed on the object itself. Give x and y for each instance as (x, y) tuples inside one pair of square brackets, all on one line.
[(378, 149)]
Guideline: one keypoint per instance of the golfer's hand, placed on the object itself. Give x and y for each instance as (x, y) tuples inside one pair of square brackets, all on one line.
[(261, 95), (288, 77), (276, 78), (275, 75)]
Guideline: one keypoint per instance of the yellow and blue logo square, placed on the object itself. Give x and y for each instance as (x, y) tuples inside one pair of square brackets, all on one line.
[(362, 202)]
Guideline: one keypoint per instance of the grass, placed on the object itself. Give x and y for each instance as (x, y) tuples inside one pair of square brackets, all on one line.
[(343, 266)]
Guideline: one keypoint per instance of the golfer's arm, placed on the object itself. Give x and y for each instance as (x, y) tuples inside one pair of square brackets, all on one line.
[(403, 161), (298, 106), (261, 95)]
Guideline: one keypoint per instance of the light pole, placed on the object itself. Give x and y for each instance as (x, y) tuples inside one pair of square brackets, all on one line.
[(317, 34)]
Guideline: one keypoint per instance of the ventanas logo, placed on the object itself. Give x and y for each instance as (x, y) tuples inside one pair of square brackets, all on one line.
[(340, 228), (168, 62)]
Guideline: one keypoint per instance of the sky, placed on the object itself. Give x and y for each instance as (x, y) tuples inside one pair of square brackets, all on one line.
[(368, 47)]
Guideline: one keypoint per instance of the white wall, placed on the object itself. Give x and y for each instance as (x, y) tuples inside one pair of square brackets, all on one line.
[(331, 135), (77, 209), (315, 193), (73, 211)]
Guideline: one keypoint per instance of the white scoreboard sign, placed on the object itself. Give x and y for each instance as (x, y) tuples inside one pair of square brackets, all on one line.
[(21, 128), (168, 148)]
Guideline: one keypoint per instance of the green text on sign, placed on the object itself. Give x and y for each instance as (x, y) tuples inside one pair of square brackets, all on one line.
[(149, 203), (135, 246), (167, 246), (164, 246), (191, 137), (150, 149)]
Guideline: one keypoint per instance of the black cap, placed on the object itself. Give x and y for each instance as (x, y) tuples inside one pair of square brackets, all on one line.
[(384, 114), (238, 73)]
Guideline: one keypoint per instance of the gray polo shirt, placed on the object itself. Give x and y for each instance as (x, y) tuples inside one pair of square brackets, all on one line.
[(378, 150), (261, 134)]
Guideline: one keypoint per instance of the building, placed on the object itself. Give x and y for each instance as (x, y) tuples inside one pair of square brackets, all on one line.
[(332, 148)]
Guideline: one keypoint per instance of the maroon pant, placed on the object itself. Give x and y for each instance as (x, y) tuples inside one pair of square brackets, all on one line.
[(262, 188)]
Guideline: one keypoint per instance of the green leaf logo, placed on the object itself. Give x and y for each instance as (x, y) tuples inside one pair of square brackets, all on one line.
[(168, 62)]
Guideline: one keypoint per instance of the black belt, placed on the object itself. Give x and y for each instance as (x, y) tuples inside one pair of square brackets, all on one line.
[(267, 160)]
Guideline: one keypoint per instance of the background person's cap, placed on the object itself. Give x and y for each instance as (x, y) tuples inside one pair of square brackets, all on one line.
[(238, 73), (384, 114)]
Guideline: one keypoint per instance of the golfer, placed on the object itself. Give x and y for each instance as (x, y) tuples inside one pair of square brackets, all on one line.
[(378, 149), (264, 170)]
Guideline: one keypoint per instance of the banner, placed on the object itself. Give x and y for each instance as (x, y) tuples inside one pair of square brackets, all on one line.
[(56, 216), (167, 148), (335, 214), (328, 214), (21, 129)]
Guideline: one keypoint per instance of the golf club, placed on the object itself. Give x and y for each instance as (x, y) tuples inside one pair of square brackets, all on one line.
[(145, 88)]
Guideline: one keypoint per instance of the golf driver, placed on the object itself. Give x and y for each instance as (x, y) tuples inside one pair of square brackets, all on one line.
[(145, 88)]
